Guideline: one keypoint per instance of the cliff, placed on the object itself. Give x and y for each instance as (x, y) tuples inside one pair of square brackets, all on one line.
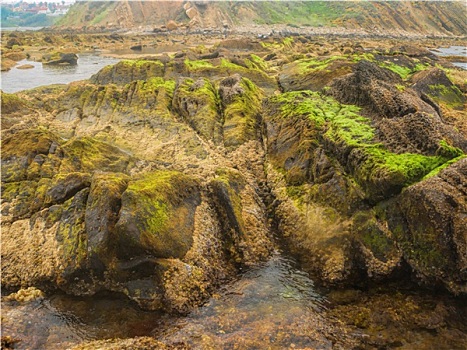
[(422, 17)]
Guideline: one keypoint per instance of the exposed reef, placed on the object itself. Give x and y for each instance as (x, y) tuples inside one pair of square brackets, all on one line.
[(161, 179)]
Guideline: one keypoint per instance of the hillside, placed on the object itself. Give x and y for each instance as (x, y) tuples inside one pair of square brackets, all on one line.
[(427, 17)]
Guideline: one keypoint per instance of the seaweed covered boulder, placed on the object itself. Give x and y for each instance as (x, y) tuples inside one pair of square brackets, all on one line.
[(127, 71), (435, 84), (374, 88), (241, 100), (83, 216), (198, 103), (60, 58), (429, 222), (329, 172), (157, 216), (313, 74)]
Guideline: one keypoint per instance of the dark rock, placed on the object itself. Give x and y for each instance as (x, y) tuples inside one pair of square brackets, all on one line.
[(208, 56), (157, 216), (12, 42), (429, 223), (374, 88), (230, 87), (60, 59), (294, 78), (102, 210)]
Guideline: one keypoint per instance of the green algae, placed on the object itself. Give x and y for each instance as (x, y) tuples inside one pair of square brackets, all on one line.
[(241, 116), (403, 71), (154, 204), (141, 63), (306, 66), (199, 104), (374, 167), (89, 154), (450, 96), (256, 62), (194, 65), (11, 102)]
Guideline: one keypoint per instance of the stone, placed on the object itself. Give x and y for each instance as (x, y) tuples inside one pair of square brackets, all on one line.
[(60, 58)]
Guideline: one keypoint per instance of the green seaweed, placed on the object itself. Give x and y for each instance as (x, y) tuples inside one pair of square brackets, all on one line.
[(343, 126), (241, 121), (197, 64)]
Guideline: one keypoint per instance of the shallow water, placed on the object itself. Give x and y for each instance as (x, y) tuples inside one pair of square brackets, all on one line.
[(22, 79), (453, 51), (260, 307), (271, 306)]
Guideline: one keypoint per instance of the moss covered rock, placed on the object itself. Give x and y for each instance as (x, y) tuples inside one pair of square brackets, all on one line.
[(242, 102), (242, 216), (198, 103), (156, 215), (60, 58), (127, 71), (313, 74), (429, 223)]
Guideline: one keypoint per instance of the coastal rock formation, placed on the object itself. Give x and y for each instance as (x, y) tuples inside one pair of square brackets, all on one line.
[(429, 223), (160, 180), (59, 58)]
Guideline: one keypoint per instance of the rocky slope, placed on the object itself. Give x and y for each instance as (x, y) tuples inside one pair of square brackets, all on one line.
[(162, 179), (446, 18)]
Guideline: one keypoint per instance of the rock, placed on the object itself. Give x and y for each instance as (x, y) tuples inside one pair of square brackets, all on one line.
[(429, 223), (157, 216), (435, 84), (7, 64), (172, 25), (242, 217), (374, 88), (13, 42), (412, 51), (197, 102), (192, 12), (136, 47), (15, 56), (127, 71), (60, 58), (312, 74), (25, 66), (242, 103)]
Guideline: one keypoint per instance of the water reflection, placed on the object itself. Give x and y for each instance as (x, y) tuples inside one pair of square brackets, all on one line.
[(62, 321), (274, 304), (22, 79)]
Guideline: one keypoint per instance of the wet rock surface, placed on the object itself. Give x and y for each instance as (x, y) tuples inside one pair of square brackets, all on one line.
[(162, 180)]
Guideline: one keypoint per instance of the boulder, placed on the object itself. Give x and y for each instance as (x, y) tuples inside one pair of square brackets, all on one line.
[(172, 25), (429, 222), (197, 102), (60, 58)]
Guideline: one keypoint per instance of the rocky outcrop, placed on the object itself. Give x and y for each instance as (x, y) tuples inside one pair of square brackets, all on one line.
[(103, 219), (428, 221), (60, 58), (161, 180), (126, 71)]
